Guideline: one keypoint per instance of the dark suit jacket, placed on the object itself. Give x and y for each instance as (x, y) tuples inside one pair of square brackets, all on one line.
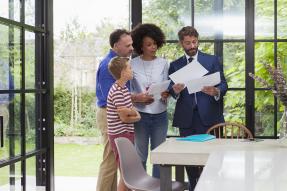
[(210, 110)]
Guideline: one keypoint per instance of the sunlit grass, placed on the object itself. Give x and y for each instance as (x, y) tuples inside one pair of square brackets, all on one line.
[(77, 160), (70, 160)]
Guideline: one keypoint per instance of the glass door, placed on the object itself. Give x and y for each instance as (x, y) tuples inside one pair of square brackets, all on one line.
[(26, 130)]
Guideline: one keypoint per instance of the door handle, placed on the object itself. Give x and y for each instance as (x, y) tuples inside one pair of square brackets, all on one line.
[(1, 132)]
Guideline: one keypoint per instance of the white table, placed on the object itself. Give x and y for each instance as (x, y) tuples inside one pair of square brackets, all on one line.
[(179, 153), (264, 170)]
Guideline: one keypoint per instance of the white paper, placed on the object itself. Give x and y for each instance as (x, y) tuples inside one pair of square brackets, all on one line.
[(193, 70), (196, 85), (157, 89)]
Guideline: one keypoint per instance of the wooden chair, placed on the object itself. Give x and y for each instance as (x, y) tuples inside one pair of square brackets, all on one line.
[(230, 130)]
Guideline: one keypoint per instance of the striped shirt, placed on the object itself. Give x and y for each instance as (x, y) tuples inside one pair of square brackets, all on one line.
[(118, 97)]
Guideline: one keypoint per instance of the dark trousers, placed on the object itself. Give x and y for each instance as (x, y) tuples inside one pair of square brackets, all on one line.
[(193, 172)]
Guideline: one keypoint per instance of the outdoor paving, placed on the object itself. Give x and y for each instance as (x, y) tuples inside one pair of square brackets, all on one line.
[(61, 184), (75, 183)]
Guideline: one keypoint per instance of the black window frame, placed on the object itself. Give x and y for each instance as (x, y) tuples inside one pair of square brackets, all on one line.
[(136, 13), (43, 90)]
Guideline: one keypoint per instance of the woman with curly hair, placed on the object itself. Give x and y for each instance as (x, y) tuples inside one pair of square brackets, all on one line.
[(149, 69)]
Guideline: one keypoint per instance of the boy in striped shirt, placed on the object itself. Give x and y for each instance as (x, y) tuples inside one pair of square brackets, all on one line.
[(120, 111)]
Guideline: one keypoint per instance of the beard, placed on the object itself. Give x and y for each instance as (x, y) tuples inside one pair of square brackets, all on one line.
[(191, 51)]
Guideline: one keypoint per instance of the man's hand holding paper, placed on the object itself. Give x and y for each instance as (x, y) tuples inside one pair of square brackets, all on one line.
[(177, 88), (192, 75), (211, 90), (197, 85)]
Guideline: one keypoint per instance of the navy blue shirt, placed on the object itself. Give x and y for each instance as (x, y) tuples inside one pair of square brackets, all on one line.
[(104, 80)]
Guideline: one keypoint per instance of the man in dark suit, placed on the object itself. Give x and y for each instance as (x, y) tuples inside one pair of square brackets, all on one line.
[(195, 113)]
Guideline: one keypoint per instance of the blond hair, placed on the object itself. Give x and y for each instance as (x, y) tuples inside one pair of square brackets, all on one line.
[(117, 65)]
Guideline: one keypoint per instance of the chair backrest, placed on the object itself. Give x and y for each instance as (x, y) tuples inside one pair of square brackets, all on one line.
[(230, 130), (130, 164)]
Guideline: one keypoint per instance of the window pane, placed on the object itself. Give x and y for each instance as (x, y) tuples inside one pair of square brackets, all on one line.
[(204, 15), (206, 47), (280, 110), (83, 41), (10, 177), (264, 19), (11, 8), (10, 110), (234, 106), (220, 19), (282, 56), (30, 119), (264, 113), (282, 19), (233, 22), (171, 51), (234, 64), (6, 78), (101, 17), (10, 57), (264, 54), (30, 12), (282, 60), (170, 16), (31, 177), (29, 60)]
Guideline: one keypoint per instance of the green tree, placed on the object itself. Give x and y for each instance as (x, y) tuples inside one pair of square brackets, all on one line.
[(74, 105)]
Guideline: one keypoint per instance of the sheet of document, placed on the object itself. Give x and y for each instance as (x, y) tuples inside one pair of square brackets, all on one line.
[(157, 89), (189, 72), (196, 85)]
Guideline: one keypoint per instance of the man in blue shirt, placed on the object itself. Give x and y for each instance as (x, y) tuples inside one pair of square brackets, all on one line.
[(121, 45)]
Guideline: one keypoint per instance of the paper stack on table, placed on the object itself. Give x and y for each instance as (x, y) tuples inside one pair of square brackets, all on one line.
[(192, 75)]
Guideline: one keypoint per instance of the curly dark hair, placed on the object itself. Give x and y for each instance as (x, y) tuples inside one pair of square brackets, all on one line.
[(146, 30)]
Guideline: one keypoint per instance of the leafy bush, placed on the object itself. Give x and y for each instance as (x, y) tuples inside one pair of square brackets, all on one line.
[(83, 120), (62, 105)]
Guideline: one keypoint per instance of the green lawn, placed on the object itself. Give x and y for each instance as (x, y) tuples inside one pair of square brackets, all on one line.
[(70, 160), (77, 160)]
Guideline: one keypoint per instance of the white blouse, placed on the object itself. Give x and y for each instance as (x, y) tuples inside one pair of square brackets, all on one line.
[(146, 73)]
